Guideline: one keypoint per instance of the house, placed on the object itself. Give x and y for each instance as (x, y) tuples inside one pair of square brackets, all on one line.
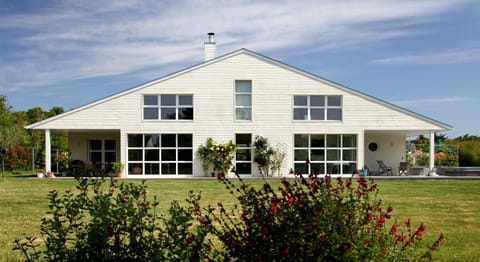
[(156, 128)]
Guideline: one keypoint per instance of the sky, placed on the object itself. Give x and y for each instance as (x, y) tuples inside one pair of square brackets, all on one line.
[(420, 55)]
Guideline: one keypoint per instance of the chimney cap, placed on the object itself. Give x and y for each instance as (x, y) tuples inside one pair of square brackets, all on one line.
[(211, 37)]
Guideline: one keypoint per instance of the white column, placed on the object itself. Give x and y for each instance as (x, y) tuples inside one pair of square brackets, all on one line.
[(123, 151), (48, 150), (432, 153), (361, 150)]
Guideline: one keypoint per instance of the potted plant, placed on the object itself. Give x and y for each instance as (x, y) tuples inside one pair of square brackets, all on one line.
[(118, 168)]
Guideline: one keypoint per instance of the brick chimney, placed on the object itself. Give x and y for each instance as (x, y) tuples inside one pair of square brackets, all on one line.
[(210, 47)]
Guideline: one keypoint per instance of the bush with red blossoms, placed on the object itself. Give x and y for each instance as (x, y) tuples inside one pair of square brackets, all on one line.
[(314, 219)]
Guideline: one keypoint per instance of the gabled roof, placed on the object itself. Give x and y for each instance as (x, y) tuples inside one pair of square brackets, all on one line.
[(262, 58)]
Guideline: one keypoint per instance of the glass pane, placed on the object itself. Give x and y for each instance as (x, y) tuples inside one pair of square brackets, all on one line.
[(243, 140), (135, 140), (185, 113), (243, 100), (185, 155), (133, 167), (184, 140), (244, 155), (169, 140), (333, 140), (349, 168), (349, 141), (300, 100), (333, 155), (169, 113), (334, 100), (150, 113), (168, 100), (317, 114), (301, 167), (169, 155), (185, 169), (152, 140), (243, 113), (333, 168), (317, 155), (350, 155), (110, 144), (300, 114), (95, 144), (169, 169), (150, 100), (152, 155), (301, 155), (243, 168), (110, 157), (135, 155), (185, 100), (317, 100), (317, 140), (152, 169), (243, 86), (317, 168), (96, 157), (301, 140), (334, 114)]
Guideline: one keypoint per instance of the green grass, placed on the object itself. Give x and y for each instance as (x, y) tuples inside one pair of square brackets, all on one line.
[(451, 207)]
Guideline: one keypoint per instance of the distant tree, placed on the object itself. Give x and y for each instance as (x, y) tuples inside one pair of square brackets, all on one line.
[(10, 132)]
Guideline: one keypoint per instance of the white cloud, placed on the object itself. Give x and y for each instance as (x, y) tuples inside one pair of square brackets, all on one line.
[(450, 57), (431, 101), (82, 39)]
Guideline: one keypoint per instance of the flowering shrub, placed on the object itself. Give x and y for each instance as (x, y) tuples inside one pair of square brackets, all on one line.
[(314, 219), (302, 220), (218, 155)]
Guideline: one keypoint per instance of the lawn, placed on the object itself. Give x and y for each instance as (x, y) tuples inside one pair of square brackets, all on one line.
[(451, 207)]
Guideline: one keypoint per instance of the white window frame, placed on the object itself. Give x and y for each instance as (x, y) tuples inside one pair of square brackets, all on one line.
[(178, 107), (326, 107), (240, 106), (242, 147)]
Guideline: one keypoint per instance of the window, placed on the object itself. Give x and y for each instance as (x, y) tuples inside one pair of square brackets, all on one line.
[(317, 107), (101, 152), (325, 153), (168, 107), (243, 100), (160, 154), (243, 154)]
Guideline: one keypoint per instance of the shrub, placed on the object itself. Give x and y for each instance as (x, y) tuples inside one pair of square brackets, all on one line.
[(304, 219)]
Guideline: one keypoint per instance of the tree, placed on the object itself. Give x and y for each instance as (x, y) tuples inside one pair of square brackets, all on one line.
[(10, 133)]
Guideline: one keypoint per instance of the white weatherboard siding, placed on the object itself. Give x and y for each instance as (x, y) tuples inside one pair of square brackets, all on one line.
[(212, 85)]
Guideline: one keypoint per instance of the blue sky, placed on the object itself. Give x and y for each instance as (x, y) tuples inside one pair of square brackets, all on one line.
[(421, 55)]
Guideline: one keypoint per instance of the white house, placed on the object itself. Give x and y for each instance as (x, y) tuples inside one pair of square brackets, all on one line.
[(156, 128)]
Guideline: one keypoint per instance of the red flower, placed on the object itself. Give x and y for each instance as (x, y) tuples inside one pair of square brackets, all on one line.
[(393, 231), (110, 231), (389, 209), (265, 230), (285, 251)]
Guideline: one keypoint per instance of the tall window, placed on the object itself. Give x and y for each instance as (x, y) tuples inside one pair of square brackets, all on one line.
[(243, 100), (243, 157), (325, 153), (317, 107), (160, 154), (168, 107)]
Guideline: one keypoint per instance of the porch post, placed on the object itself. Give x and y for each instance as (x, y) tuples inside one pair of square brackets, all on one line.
[(432, 154), (361, 150), (48, 160)]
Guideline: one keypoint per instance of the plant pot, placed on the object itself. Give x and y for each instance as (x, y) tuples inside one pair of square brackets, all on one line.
[(119, 174), (50, 175)]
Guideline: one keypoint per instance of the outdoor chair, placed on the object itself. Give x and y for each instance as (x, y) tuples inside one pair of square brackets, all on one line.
[(384, 169), (402, 168)]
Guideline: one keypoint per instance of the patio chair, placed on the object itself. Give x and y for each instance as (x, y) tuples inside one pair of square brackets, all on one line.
[(402, 168), (384, 169)]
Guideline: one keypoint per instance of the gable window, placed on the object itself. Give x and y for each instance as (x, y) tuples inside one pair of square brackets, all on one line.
[(243, 99), (317, 107), (168, 107)]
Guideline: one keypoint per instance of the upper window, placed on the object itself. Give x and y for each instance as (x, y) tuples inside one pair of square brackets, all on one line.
[(243, 100), (168, 107), (317, 107)]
